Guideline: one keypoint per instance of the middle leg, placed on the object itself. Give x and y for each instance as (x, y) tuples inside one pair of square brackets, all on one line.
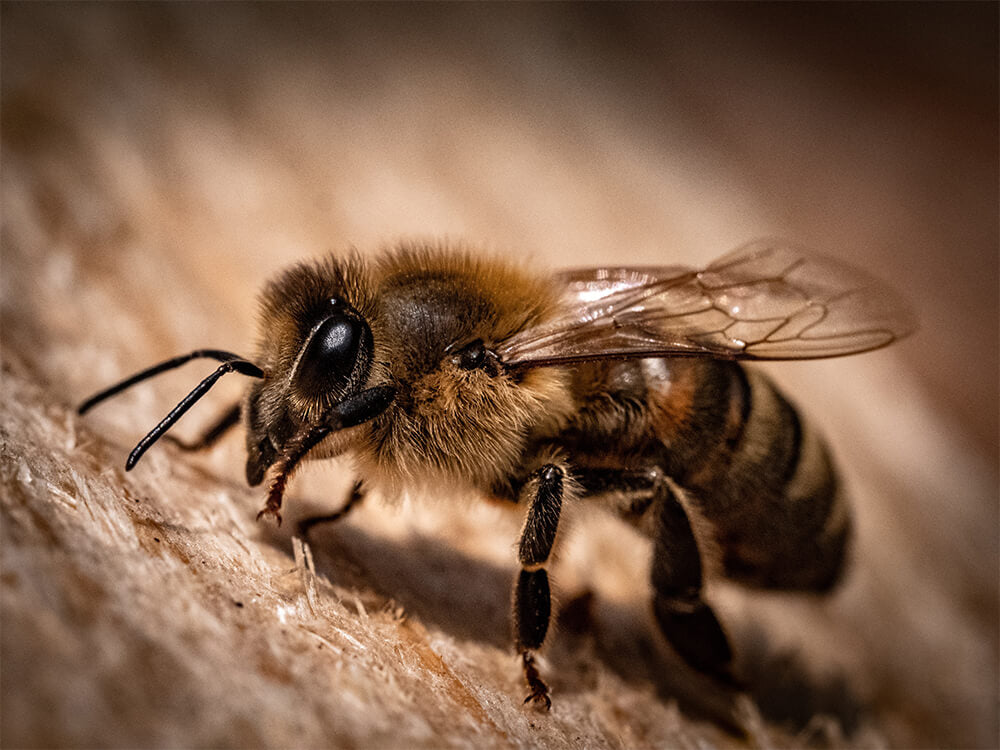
[(543, 491)]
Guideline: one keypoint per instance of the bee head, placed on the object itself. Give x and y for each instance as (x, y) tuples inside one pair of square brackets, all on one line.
[(317, 345), (342, 338)]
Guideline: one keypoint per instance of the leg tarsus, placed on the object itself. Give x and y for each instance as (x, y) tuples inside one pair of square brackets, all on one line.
[(274, 497), (539, 695)]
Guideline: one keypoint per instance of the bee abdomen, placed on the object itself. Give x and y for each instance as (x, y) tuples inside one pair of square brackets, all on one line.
[(758, 473)]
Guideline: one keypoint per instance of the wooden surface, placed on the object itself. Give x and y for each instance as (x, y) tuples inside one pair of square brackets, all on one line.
[(160, 163)]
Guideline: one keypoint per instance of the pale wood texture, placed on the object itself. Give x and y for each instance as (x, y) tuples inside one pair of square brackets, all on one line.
[(160, 163)]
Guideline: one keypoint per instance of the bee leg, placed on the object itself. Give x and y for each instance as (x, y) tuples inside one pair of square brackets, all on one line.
[(634, 489), (353, 500), (229, 419), (532, 600), (685, 619)]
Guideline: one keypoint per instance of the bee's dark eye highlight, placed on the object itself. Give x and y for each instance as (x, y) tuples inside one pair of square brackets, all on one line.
[(336, 341)]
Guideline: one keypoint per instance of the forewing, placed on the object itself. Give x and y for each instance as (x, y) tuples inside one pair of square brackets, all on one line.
[(763, 301)]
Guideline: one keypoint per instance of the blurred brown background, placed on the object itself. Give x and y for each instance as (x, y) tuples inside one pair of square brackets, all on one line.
[(161, 161)]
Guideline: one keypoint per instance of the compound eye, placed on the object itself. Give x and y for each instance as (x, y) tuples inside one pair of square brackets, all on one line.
[(331, 354)]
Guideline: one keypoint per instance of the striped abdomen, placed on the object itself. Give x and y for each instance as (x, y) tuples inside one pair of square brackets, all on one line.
[(758, 474)]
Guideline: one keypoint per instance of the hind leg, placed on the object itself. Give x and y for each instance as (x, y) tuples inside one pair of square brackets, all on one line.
[(686, 620)]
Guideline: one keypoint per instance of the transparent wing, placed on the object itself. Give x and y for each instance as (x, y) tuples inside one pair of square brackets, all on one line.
[(763, 301)]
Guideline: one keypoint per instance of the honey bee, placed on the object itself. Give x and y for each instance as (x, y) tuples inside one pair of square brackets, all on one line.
[(439, 368)]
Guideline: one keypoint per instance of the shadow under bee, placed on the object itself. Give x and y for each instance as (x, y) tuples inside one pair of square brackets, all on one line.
[(788, 693), (468, 599), (463, 596)]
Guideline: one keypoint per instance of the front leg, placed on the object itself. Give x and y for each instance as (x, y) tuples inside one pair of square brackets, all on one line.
[(360, 408), (543, 492)]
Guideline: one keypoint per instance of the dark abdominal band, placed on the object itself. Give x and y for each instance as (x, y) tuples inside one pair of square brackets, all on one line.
[(765, 483)]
